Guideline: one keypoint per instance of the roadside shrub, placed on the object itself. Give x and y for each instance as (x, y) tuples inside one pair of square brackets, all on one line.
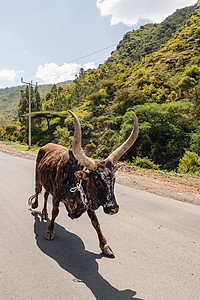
[(1, 133), (189, 163), (144, 163), (9, 133)]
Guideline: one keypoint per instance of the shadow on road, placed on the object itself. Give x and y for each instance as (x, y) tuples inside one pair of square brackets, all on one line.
[(69, 252)]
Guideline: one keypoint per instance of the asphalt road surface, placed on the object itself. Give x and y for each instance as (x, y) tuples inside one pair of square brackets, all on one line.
[(156, 242)]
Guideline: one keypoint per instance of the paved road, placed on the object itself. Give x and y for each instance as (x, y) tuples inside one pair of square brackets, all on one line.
[(156, 242)]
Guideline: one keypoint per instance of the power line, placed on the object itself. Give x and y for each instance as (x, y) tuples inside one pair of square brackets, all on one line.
[(140, 43), (92, 53), (76, 59)]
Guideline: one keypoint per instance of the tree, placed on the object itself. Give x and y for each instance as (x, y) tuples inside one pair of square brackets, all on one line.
[(187, 83), (81, 71), (164, 132), (36, 101), (196, 101), (23, 109), (168, 34), (36, 104), (54, 88), (23, 105)]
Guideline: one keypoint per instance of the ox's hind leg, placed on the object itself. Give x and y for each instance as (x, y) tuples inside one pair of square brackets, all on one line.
[(102, 240), (44, 210), (50, 234)]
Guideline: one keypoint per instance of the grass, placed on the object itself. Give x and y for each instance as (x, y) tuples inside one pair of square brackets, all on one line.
[(22, 147)]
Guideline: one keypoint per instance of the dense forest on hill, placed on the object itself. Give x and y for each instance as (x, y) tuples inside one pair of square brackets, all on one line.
[(154, 71)]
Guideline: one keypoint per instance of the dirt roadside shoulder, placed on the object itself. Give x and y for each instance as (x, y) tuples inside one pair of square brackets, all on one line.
[(175, 186), (185, 189)]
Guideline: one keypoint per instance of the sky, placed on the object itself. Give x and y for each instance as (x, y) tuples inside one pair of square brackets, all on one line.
[(48, 41)]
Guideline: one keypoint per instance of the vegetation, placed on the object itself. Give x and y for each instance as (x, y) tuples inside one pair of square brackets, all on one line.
[(144, 163), (154, 71), (190, 163), (10, 97)]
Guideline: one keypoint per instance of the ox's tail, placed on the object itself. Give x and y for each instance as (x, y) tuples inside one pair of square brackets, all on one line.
[(38, 186), (30, 199)]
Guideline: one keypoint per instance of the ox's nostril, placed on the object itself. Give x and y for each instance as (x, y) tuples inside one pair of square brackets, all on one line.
[(114, 210), (111, 211)]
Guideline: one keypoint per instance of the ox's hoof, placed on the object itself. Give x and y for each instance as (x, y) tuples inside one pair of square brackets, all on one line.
[(107, 250), (34, 205), (49, 235), (44, 215)]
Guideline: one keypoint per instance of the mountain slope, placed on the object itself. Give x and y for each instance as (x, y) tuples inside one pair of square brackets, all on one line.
[(137, 44), (159, 84)]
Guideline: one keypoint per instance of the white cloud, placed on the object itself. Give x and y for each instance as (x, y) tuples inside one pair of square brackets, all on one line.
[(129, 12), (89, 65), (8, 75), (53, 73)]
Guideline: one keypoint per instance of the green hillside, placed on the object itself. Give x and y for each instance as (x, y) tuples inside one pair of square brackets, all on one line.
[(137, 44), (155, 71), (10, 97)]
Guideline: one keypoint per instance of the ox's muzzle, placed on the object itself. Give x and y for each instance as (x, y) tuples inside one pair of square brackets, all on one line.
[(111, 208)]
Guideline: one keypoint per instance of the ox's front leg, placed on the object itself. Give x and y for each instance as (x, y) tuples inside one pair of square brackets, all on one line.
[(102, 240), (50, 234)]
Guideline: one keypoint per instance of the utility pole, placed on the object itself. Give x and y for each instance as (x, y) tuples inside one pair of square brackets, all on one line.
[(29, 111)]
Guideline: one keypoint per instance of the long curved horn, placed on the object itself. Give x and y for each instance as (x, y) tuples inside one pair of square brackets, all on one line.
[(115, 156), (76, 146)]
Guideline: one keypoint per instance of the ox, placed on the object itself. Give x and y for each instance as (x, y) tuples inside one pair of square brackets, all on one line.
[(81, 183)]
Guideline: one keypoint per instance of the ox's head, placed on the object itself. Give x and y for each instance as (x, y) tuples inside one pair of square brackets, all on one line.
[(99, 179)]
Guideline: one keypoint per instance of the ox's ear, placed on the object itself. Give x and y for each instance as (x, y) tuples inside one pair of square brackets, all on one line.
[(81, 175), (116, 167)]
